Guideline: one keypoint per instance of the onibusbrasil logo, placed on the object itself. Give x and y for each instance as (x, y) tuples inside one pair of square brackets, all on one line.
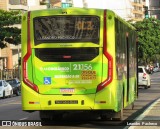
[(21, 123)]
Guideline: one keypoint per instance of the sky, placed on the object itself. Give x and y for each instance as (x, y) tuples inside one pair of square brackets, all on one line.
[(91, 3), (31, 2), (78, 3), (104, 4), (96, 3), (121, 7)]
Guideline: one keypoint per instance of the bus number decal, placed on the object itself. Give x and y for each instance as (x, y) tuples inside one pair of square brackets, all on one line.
[(84, 25), (82, 67)]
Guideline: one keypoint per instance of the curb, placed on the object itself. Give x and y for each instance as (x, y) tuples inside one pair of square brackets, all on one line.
[(145, 112)]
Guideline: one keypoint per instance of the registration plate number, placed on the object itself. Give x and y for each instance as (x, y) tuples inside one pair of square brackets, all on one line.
[(66, 102)]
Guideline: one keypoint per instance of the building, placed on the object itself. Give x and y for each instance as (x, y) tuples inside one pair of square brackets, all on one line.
[(138, 9), (61, 3), (154, 8), (3, 4), (55, 3), (25, 5), (9, 56)]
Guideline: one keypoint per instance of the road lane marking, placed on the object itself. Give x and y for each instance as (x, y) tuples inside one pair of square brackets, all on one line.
[(23, 118), (7, 101), (149, 108), (6, 104)]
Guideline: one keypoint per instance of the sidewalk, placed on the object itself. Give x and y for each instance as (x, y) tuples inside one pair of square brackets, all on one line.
[(149, 119)]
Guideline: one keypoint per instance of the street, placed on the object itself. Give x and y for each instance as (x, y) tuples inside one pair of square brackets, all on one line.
[(10, 109)]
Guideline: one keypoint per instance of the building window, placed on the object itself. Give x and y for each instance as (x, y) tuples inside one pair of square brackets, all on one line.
[(137, 1), (138, 16), (18, 2)]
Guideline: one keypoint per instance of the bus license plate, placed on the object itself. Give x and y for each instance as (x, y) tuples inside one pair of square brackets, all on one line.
[(66, 102)]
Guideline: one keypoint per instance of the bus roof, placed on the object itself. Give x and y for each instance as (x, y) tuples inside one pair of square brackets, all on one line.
[(84, 10)]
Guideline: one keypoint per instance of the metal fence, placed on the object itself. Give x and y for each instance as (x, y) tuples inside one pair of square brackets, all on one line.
[(9, 74)]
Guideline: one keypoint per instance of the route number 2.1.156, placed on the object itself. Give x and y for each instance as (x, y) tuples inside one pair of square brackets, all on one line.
[(82, 67)]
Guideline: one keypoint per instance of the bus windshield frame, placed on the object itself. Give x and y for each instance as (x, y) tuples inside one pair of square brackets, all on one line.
[(66, 29)]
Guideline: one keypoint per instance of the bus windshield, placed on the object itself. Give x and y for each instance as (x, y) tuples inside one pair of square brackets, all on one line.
[(53, 29)]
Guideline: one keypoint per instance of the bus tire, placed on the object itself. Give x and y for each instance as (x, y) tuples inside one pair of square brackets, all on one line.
[(3, 95), (149, 84), (146, 87), (17, 93), (11, 93)]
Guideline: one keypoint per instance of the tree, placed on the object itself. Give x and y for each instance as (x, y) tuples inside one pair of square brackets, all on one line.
[(148, 39), (9, 33)]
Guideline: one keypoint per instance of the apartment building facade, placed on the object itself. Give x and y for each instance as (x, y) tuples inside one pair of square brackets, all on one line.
[(154, 8), (3, 4), (138, 9), (55, 3), (9, 56)]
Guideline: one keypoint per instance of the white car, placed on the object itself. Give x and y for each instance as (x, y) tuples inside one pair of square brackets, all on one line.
[(143, 77), (156, 69), (5, 89)]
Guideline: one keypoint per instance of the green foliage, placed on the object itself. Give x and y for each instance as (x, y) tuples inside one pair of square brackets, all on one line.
[(8, 33), (148, 39)]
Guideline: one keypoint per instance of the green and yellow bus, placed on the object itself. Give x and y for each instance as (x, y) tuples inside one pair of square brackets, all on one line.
[(76, 59)]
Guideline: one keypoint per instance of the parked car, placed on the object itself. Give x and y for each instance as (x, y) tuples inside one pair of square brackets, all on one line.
[(156, 69), (6, 89), (16, 85), (143, 77)]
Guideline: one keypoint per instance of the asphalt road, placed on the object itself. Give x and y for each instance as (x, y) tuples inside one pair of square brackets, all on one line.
[(10, 109)]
